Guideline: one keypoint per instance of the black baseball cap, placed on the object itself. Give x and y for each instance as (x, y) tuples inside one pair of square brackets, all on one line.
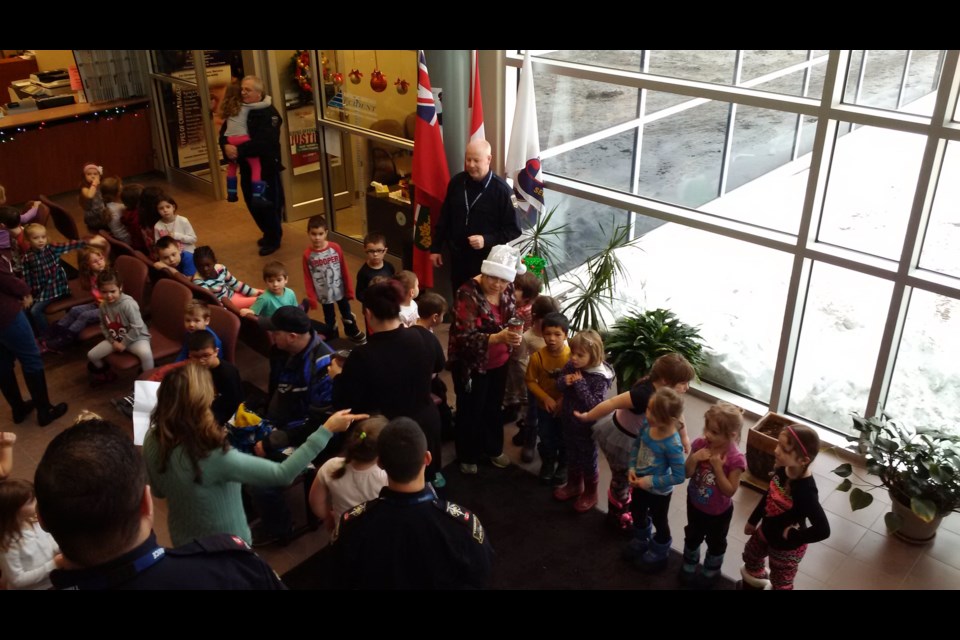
[(290, 319)]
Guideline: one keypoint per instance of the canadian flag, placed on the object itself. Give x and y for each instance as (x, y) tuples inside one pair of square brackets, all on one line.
[(476, 103)]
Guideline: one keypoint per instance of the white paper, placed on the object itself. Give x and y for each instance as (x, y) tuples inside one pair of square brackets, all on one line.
[(144, 400)]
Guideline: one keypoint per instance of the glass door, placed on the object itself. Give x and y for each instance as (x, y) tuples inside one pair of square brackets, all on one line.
[(188, 85)]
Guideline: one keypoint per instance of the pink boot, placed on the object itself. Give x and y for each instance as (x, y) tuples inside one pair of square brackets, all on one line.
[(572, 488), (587, 499)]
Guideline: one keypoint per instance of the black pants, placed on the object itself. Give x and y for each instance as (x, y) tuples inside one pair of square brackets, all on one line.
[(465, 264), (480, 415), (644, 504), (267, 215), (702, 525)]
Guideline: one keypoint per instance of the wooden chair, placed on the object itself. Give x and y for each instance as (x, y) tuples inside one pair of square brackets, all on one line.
[(226, 325), (167, 332), (198, 292), (62, 220), (78, 295), (117, 246), (254, 336), (43, 214)]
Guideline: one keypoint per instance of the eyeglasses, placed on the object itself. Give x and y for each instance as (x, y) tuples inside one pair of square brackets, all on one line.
[(375, 252)]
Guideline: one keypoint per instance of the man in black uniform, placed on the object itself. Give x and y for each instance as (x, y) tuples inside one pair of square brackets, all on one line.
[(93, 498), (408, 538), (263, 127), (478, 213)]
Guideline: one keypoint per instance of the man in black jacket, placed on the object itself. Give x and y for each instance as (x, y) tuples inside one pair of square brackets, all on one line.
[(478, 213), (263, 127)]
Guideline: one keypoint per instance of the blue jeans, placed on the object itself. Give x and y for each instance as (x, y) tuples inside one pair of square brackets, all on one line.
[(38, 315), (550, 429), (17, 343)]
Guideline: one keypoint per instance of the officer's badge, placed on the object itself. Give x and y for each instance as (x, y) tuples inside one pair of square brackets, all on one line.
[(275, 121), (456, 511), (478, 532), (356, 511)]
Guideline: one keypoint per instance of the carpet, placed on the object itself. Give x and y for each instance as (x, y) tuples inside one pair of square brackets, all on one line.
[(540, 543)]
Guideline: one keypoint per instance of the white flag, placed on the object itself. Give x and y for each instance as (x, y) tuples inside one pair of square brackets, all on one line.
[(523, 154)]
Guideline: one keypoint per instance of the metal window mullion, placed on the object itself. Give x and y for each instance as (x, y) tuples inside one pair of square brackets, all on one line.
[(203, 88), (911, 249), (727, 150), (798, 287), (638, 141)]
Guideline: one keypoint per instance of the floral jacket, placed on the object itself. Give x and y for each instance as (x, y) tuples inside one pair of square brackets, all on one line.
[(472, 326)]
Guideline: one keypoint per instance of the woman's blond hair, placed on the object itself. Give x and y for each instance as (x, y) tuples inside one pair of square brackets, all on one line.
[(183, 417)]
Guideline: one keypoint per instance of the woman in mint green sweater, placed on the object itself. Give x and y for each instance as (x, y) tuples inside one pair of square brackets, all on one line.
[(191, 464)]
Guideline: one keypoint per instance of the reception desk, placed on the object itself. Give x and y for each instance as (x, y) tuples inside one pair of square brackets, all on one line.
[(43, 150)]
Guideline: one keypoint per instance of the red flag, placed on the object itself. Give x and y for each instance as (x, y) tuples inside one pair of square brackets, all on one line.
[(476, 102), (430, 175)]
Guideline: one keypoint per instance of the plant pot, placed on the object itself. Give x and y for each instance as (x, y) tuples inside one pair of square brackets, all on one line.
[(761, 442), (913, 530)]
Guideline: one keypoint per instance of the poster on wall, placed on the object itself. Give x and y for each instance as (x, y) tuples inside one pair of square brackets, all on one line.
[(190, 141), (304, 146)]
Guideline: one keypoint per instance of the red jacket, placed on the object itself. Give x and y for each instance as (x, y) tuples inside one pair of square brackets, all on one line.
[(308, 277)]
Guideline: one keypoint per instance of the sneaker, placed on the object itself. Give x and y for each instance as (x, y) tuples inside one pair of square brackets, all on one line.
[(439, 482), (267, 249), (359, 338), (124, 405), (754, 582), (560, 475), (501, 461), (468, 469), (46, 348)]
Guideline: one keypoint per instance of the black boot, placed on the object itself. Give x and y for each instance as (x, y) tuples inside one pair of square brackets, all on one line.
[(46, 413), (11, 391)]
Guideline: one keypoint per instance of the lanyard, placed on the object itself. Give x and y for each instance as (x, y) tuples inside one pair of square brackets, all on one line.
[(469, 204)]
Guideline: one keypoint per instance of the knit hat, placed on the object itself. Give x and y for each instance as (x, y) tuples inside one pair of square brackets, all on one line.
[(91, 165), (503, 262)]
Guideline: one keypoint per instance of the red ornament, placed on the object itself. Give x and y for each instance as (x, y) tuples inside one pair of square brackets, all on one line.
[(338, 79), (402, 86), (378, 81), (355, 76)]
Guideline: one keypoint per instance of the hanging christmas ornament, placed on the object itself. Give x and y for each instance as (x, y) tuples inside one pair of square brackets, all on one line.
[(355, 74), (378, 81), (337, 79), (402, 86), (301, 70)]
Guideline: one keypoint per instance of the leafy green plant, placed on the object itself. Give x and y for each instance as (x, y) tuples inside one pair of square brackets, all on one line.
[(545, 240), (595, 294), (920, 467), (636, 341)]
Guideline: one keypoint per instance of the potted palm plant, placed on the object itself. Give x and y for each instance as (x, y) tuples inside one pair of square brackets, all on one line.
[(919, 467), (635, 341)]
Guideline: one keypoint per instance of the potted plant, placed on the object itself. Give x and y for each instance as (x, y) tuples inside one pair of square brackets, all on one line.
[(541, 246), (593, 292), (636, 341), (919, 467)]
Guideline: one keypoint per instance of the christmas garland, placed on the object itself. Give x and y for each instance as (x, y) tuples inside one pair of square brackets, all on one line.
[(301, 70)]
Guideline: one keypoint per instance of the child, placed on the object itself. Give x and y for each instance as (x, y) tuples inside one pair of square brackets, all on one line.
[(234, 111), (8, 245), (656, 465), (91, 261), (148, 216), (170, 259), (714, 467), (527, 287), (276, 295), (790, 501), (196, 317), (584, 381), (411, 287), (616, 435), (327, 280), (532, 342), (123, 329), (91, 201), (27, 553), (42, 271), (130, 197), (431, 308), (232, 293), (171, 224), (113, 208), (542, 373), (343, 483), (375, 248)]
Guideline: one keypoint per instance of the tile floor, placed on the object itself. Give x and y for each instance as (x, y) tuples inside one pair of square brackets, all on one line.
[(858, 555)]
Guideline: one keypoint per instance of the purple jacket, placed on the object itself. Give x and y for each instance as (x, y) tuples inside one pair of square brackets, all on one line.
[(586, 393)]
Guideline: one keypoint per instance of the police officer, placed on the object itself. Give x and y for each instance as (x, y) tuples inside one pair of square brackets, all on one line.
[(408, 538), (93, 498)]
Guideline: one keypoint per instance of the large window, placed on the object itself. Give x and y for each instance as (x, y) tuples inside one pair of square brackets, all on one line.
[(798, 205)]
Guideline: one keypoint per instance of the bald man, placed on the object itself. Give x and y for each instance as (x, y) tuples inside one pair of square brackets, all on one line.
[(477, 214)]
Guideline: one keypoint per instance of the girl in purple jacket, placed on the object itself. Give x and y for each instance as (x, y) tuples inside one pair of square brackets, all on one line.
[(584, 382)]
